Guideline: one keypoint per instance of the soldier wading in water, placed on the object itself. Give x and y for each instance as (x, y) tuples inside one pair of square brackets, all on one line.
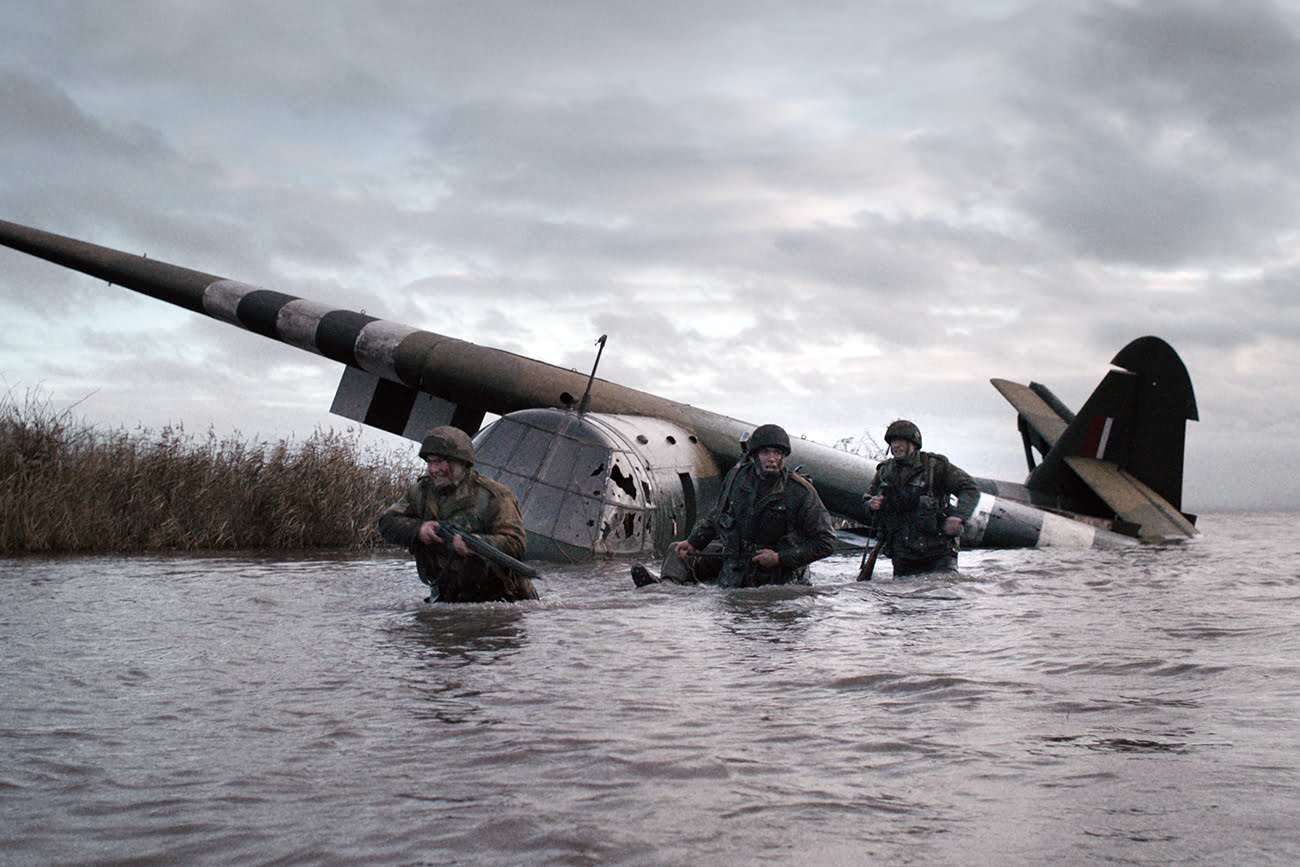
[(767, 526), (910, 498), (455, 492)]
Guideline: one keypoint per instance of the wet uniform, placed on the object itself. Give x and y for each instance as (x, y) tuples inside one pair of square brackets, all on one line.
[(478, 505), (918, 491), (782, 513)]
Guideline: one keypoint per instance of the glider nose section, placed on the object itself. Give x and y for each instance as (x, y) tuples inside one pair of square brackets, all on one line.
[(593, 485)]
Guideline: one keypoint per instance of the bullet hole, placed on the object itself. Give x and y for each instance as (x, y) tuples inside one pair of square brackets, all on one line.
[(626, 483)]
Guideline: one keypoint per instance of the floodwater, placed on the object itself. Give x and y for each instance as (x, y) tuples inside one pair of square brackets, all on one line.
[(1049, 706)]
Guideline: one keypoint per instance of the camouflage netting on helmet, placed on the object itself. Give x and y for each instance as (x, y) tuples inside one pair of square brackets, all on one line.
[(448, 442)]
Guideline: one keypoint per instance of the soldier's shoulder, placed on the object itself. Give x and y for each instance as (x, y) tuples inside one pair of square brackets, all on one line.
[(802, 482), (493, 487), (412, 501), (943, 465)]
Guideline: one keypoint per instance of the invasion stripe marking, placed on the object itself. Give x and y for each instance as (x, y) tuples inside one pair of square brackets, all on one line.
[(221, 300), (259, 310), (979, 519), (1065, 533), (341, 335), (336, 336), (376, 347), (298, 322)]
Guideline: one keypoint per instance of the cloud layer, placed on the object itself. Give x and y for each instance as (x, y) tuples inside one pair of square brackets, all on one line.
[(827, 214)]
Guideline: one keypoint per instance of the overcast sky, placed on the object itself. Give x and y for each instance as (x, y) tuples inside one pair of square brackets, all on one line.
[(821, 214)]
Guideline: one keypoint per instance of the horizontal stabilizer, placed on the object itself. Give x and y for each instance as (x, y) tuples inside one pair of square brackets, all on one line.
[(1045, 422), (1134, 503), (393, 407)]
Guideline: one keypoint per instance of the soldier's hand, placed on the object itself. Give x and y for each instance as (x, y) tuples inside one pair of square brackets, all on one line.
[(767, 558), (684, 549), (875, 503), (458, 545), (952, 526), (428, 532)]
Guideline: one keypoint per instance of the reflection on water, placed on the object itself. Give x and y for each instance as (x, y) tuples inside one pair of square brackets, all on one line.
[(1130, 706), (774, 615), (475, 633)]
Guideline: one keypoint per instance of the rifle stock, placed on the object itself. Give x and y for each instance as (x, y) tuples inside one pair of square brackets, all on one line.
[(869, 562)]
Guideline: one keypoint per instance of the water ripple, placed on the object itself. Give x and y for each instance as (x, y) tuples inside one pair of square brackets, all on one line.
[(1133, 706)]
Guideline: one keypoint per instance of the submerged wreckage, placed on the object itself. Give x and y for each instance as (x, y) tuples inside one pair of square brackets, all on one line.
[(605, 470)]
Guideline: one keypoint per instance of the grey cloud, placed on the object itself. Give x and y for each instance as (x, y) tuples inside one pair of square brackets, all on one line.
[(1150, 143), (939, 195)]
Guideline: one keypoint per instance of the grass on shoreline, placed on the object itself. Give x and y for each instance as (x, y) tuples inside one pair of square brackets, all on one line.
[(66, 486)]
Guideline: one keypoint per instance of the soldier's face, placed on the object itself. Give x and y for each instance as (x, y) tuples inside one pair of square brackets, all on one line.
[(770, 460), (445, 472), (901, 448)]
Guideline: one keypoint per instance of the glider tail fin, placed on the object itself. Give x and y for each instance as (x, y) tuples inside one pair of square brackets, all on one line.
[(1130, 430)]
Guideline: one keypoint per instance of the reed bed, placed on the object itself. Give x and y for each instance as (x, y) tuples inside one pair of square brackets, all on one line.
[(66, 486)]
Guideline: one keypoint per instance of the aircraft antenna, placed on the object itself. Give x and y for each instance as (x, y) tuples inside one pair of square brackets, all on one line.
[(586, 395)]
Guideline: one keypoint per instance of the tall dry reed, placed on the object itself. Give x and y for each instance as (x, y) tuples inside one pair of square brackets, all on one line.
[(66, 486)]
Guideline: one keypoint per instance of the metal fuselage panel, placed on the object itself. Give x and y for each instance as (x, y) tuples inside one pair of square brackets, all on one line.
[(597, 485), (999, 522)]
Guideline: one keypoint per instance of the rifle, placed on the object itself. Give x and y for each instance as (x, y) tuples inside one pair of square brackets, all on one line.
[(447, 532), (869, 562), (735, 568)]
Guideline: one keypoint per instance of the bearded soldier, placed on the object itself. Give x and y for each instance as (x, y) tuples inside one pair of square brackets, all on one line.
[(456, 493), (911, 499), (768, 525)]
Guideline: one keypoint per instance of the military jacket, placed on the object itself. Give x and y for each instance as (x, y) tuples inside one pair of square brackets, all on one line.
[(478, 505), (783, 514), (918, 493)]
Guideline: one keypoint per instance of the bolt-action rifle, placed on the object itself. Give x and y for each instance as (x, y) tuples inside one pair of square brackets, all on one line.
[(448, 532), (869, 556), (735, 568), (869, 560)]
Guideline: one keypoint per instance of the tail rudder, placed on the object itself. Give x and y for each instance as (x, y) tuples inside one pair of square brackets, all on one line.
[(1136, 419)]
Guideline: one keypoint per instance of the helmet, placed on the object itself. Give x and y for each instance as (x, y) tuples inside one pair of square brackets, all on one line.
[(903, 430), (768, 435), (448, 442)]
